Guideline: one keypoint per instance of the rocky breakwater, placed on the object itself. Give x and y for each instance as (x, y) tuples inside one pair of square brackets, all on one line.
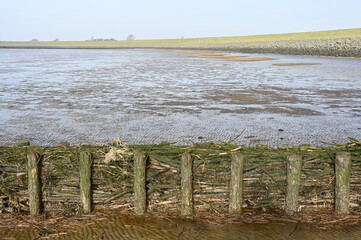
[(344, 47)]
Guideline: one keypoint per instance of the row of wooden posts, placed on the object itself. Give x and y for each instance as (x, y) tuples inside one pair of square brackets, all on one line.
[(294, 166)]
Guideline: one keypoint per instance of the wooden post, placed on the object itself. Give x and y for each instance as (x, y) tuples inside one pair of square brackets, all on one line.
[(34, 182), (140, 193), (294, 164), (187, 184), (236, 184), (342, 188), (85, 178)]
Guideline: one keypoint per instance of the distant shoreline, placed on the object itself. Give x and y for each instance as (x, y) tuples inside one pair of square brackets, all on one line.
[(343, 47), (332, 43)]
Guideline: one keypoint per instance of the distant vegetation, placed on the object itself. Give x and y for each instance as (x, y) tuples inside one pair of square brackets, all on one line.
[(101, 39)]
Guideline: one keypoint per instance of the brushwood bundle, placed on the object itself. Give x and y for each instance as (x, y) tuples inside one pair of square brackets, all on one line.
[(264, 176)]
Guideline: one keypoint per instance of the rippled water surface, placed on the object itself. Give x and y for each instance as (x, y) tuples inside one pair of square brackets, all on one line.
[(130, 228), (151, 96)]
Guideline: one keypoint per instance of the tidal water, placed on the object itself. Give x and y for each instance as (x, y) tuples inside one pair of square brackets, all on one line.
[(151, 228), (150, 96)]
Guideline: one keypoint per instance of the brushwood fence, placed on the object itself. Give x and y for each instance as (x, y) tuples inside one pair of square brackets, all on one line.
[(210, 177)]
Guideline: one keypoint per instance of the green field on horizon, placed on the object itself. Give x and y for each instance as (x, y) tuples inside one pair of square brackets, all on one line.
[(332, 34)]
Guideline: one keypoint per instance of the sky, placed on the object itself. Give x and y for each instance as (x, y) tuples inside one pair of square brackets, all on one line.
[(46, 20)]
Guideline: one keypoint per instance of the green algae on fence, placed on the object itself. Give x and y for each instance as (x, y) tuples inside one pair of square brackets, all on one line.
[(140, 193), (187, 184), (85, 180), (294, 164), (236, 183), (342, 191), (34, 182)]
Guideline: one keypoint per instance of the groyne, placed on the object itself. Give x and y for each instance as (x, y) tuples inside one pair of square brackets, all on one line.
[(113, 190), (180, 179)]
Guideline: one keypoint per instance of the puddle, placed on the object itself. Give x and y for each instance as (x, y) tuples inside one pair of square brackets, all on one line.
[(249, 59), (295, 64)]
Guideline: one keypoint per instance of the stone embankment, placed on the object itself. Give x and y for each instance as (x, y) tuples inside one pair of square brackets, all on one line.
[(343, 47), (347, 47)]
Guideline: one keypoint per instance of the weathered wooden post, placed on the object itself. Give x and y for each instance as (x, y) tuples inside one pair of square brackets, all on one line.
[(34, 182), (140, 193), (187, 184), (85, 178), (342, 188), (294, 165), (236, 183)]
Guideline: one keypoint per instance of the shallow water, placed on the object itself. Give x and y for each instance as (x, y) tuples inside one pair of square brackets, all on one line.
[(125, 227), (151, 96), (152, 228)]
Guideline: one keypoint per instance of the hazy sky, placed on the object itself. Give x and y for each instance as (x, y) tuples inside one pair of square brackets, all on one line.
[(153, 19)]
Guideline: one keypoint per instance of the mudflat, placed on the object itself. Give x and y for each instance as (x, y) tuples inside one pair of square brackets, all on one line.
[(151, 96)]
